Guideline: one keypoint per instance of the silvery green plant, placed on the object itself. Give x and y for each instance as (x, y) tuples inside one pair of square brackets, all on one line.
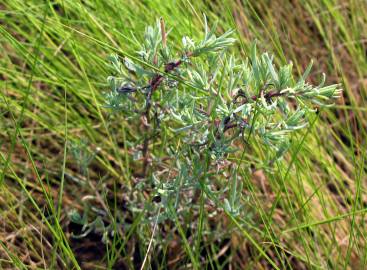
[(203, 104)]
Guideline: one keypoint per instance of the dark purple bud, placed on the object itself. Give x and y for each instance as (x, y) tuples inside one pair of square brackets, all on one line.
[(226, 120), (172, 65), (126, 89)]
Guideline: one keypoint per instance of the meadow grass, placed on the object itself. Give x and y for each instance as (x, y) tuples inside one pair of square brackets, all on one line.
[(309, 212)]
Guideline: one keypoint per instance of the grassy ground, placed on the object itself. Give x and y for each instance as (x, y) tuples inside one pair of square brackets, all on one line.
[(310, 213)]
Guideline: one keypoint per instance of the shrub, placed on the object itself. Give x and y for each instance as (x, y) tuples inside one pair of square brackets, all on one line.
[(202, 104)]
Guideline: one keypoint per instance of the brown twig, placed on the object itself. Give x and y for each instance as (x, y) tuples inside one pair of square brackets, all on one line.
[(153, 85), (163, 32), (267, 96)]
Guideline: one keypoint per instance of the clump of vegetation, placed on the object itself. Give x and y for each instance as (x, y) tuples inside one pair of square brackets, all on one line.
[(199, 105)]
